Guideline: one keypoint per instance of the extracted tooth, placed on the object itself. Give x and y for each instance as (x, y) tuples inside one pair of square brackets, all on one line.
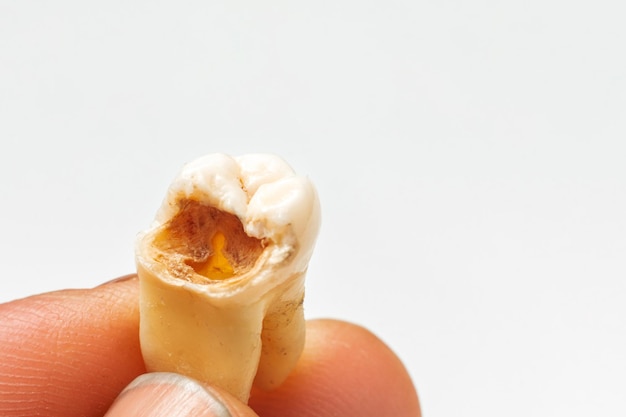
[(222, 272)]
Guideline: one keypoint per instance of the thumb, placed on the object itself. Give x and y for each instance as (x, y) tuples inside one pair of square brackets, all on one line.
[(173, 395)]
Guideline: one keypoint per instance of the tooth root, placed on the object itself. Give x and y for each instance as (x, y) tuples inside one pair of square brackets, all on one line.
[(222, 272), (282, 342), (181, 332)]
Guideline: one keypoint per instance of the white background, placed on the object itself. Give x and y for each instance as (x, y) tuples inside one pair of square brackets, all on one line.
[(469, 157)]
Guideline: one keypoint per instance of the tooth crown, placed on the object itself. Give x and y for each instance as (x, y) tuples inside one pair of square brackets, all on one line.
[(226, 331)]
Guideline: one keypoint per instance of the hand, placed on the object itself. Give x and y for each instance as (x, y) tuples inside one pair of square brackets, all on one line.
[(76, 353)]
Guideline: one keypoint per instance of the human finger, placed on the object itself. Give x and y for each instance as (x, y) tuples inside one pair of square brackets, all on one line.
[(162, 394), (69, 353)]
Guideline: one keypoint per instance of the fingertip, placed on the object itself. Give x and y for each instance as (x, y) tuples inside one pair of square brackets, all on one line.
[(168, 394), (78, 344)]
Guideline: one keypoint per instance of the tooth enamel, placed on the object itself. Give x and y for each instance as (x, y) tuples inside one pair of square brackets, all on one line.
[(213, 179), (242, 320)]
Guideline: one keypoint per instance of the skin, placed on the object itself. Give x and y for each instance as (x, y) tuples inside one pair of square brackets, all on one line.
[(75, 352)]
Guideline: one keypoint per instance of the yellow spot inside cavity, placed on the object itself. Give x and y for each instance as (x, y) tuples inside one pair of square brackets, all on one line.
[(217, 266)]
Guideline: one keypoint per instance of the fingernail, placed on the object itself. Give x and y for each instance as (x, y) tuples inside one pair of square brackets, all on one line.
[(166, 394), (119, 279)]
